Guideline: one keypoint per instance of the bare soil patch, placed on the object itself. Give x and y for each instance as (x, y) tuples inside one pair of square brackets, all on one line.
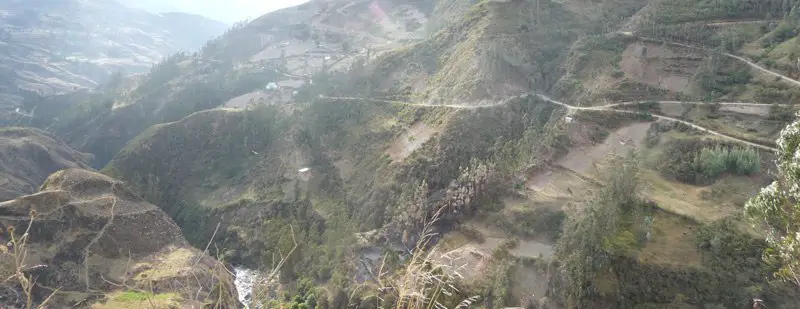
[(411, 140), (665, 67), (581, 160)]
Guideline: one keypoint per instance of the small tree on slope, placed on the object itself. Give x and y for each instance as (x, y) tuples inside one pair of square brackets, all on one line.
[(777, 208)]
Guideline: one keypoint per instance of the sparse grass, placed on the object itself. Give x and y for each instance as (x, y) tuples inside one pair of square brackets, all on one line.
[(133, 296), (169, 266), (137, 300), (734, 190), (683, 199), (672, 241)]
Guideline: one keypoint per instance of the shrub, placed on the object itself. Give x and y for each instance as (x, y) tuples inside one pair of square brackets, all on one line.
[(744, 161), (780, 113), (700, 162), (653, 135), (710, 163), (471, 233), (531, 222), (775, 210), (648, 105)]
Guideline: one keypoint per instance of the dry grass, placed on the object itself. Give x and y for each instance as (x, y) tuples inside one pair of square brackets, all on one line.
[(672, 242), (168, 266), (20, 270), (685, 200), (136, 300), (424, 282)]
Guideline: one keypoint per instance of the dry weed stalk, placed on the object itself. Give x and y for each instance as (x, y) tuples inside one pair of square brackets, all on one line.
[(425, 280), (19, 252), (259, 293)]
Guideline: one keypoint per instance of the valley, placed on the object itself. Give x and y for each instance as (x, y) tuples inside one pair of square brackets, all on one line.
[(401, 153)]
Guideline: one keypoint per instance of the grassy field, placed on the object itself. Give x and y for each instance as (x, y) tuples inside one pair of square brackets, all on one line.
[(672, 241)]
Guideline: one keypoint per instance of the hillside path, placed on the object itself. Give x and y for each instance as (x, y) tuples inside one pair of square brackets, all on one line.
[(740, 58), (609, 108), (612, 106)]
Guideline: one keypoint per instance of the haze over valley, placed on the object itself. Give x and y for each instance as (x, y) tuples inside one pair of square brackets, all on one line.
[(547, 154)]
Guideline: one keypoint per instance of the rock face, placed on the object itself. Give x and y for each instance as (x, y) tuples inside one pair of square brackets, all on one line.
[(28, 156), (94, 234), (51, 47)]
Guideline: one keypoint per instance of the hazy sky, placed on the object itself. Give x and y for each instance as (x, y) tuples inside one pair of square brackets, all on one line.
[(231, 11)]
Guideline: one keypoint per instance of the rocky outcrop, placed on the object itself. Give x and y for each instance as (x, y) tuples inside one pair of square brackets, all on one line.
[(90, 233), (28, 156)]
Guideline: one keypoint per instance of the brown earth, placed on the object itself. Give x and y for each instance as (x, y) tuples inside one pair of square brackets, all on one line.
[(665, 67), (93, 234)]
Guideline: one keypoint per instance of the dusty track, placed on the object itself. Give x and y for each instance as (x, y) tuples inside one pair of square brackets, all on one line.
[(742, 59), (608, 108)]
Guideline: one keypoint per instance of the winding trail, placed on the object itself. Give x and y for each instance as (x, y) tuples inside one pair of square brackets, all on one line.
[(738, 22), (742, 59), (765, 70), (613, 106), (607, 108)]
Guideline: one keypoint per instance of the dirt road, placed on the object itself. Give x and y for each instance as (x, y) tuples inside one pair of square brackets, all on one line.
[(609, 108)]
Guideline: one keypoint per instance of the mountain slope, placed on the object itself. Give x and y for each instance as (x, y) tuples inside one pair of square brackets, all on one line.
[(28, 156), (362, 157), (51, 47), (288, 47)]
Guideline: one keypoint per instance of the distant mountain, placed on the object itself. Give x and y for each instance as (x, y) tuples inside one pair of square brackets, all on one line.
[(50, 47), (153, 6), (287, 47)]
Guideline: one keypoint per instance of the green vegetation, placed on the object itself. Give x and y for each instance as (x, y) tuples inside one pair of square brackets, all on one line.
[(775, 210), (529, 221), (702, 162), (164, 95), (602, 231), (654, 132), (719, 75), (187, 165), (598, 253), (239, 168), (496, 285), (712, 162), (684, 20), (693, 10), (135, 296), (303, 298)]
